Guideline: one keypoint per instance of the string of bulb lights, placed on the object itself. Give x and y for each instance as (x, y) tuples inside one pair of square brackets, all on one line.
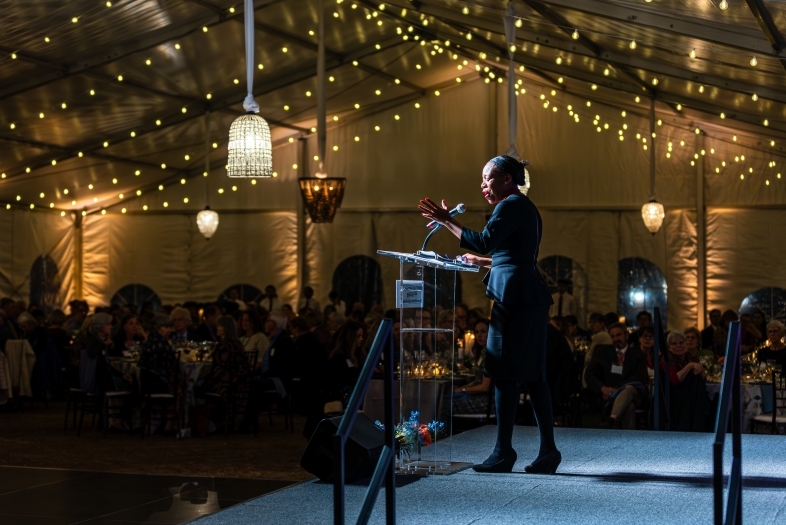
[(149, 62)]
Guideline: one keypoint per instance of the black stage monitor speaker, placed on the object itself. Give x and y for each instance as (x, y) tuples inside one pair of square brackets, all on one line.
[(364, 446)]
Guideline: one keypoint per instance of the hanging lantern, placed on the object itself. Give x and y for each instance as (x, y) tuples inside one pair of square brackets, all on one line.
[(250, 148), (653, 215), (322, 197), (207, 222)]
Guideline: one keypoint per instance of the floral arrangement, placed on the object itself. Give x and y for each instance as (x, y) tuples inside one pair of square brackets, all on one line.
[(411, 434)]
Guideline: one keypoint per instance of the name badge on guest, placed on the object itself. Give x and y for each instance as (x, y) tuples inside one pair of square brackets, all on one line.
[(350, 364), (616, 369), (272, 352)]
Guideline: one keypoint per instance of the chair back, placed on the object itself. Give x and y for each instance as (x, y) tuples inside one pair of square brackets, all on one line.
[(251, 358)]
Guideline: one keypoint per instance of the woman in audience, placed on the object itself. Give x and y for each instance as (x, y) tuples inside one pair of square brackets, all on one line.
[(253, 334), (89, 351), (775, 349), (689, 400), (130, 333), (474, 398), (345, 361), (646, 336), (230, 367), (158, 361)]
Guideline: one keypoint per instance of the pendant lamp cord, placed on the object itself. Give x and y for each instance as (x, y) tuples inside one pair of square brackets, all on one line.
[(249, 104), (321, 109), (652, 148), (207, 156), (509, 20)]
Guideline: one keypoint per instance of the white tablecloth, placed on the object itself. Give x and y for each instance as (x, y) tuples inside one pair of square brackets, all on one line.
[(751, 402), (20, 359)]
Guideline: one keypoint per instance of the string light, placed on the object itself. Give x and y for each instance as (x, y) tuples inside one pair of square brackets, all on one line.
[(632, 44), (692, 53), (754, 97), (754, 61), (723, 5), (575, 34)]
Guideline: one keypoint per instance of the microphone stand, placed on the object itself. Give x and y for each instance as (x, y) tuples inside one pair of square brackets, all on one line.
[(428, 237)]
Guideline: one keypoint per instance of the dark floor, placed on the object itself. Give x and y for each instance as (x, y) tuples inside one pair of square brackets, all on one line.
[(608, 477), (35, 496)]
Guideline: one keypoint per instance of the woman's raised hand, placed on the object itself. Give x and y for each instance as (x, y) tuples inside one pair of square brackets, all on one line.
[(430, 210)]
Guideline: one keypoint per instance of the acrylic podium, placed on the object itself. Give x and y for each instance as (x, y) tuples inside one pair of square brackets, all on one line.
[(427, 360)]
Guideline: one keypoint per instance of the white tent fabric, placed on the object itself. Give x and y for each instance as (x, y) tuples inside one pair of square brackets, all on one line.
[(588, 185)]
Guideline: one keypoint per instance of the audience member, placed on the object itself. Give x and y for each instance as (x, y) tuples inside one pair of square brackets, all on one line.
[(181, 319), (130, 332), (564, 303), (692, 343), (722, 332), (708, 334), (461, 320), (749, 333), (207, 330), (646, 338), (774, 351), (474, 398), (89, 351), (618, 373), (574, 329), (337, 303), (344, 362), (8, 306), (57, 334), (309, 365), (234, 296), (689, 402), (308, 300), (252, 335), (288, 312), (278, 359), (271, 301), (597, 326), (760, 322), (230, 370), (157, 362), (78, 312)]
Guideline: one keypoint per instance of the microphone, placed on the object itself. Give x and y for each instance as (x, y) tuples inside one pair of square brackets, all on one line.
[(460, 208)]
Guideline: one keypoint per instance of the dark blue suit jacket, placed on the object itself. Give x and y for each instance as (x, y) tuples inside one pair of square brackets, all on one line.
[(512, 237)]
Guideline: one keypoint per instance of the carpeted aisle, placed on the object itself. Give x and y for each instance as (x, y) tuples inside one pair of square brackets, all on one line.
[(607, 477)]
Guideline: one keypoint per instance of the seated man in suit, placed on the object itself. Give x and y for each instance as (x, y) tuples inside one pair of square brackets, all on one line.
[(619, 365)]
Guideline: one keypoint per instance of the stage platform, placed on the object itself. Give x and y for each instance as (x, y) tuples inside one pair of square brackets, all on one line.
[(607, 477)]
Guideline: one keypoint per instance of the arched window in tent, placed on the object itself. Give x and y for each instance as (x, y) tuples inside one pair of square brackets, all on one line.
[(139, 296), (771, 301), (358, 279), (641, 286), (248, 293), (556, 267), (45, 284)]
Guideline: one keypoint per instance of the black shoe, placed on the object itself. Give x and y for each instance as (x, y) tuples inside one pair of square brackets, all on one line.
[(545, 464), (498, 463)]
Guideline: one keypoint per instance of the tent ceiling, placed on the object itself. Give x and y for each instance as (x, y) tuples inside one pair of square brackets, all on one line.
[(155, 115)]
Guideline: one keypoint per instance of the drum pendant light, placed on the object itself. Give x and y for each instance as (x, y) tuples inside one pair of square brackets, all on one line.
[(322, 195), (250, 148)]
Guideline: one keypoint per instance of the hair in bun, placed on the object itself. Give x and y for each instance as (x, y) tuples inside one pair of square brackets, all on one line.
[(510, 166)]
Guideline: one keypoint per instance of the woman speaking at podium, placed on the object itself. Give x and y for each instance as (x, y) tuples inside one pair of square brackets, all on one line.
[(516, 347)]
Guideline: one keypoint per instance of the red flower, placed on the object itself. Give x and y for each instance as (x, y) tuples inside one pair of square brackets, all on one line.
[(425, 435)]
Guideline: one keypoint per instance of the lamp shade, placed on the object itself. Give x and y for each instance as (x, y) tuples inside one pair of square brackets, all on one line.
[(653, 215), (207, 222), (322, 197), (250, 149)]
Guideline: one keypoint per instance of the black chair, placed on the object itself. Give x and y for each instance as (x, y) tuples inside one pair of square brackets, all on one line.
[(774, 420), (106, 405), (272, 397), (163, 407), (237, 397), (73, 399)]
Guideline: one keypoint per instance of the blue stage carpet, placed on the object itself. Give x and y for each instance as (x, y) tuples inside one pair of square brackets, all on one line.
[(607, 477)]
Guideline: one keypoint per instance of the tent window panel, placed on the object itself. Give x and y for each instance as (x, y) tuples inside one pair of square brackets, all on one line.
[(45, 284), (358, 279), (137, 295), (641, 286), (771, 301)]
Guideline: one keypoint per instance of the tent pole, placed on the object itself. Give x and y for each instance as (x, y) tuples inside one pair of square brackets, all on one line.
[(701, 239), (302, 267), (78, 255)]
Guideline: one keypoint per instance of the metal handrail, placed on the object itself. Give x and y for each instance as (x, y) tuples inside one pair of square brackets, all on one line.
[(660, 389), (729, 395), (386, 466)]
